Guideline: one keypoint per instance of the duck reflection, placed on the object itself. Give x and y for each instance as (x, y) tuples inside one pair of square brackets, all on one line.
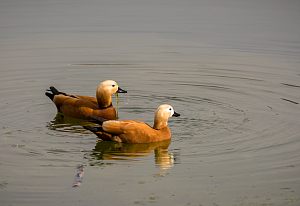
[(68, 124), (105, 150)]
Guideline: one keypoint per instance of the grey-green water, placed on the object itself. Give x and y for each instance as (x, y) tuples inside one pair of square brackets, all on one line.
[(231, 68)]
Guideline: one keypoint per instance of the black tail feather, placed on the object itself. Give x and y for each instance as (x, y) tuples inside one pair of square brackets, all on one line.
[(50, 95), (93, 129), (98, 130), (54, 90), (98, 120), (51, 92)]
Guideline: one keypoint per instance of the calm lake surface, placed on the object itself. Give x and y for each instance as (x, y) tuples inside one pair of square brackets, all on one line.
[(231, 68)]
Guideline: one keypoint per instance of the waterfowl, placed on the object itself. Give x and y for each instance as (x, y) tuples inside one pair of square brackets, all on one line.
[(87, 107), (130, 131)]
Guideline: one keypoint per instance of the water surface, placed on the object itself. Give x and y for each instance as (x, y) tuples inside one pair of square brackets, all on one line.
[(230, 68)]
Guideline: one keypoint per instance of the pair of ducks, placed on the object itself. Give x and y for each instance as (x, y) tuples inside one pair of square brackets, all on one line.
[(102, 110)]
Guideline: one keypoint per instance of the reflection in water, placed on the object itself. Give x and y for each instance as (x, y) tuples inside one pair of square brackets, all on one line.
[(78, 176), (68, 124), (105, 150)]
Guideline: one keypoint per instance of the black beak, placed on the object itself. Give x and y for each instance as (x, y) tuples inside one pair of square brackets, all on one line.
[(176, 114), (121, 90)]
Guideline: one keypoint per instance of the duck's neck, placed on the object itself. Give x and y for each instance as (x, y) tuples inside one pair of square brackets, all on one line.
[(103, 98), (160, 123)]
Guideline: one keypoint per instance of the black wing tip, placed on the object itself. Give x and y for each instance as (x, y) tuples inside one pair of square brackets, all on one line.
[(98, 120), (92, 129)]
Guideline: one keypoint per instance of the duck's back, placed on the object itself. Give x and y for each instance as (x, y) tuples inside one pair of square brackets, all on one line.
[(130, 131), (83, 107)]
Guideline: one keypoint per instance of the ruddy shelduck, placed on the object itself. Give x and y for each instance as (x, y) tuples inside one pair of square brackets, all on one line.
[(87, 107), (130, 131)]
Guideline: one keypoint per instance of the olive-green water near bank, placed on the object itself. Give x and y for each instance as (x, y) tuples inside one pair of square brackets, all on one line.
[(231, 68)]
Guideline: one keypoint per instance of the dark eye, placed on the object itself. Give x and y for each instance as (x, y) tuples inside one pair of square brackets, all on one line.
[(113, 85), (170, 109)]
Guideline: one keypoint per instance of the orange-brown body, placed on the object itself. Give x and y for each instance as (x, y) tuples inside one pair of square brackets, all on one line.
[(83, 107), (130, 131)]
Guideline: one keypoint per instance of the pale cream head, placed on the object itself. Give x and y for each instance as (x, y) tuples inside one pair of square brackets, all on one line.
[(109, 86), (104, 92), (162, 115), (165, 110)]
